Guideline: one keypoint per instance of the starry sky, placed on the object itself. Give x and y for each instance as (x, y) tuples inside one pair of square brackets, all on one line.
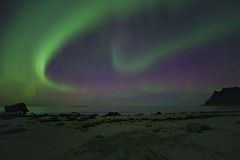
[(117, 53)]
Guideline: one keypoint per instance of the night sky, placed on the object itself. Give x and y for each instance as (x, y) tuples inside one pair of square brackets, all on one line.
[(117, 52)]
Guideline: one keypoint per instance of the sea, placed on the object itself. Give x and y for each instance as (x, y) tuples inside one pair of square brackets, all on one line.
[(124, 109)]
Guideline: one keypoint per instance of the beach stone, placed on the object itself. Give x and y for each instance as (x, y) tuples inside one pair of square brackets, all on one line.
[(113, 114), (76, 114), (34, 117), (4, 125), (31, 122), (156, 130), (196, 127), (71, 119), (148, 125), (59, 124), (99, 137), (88, 125), (158, 113), (52, 119), (13, 131), (84, 118), (63, 115)]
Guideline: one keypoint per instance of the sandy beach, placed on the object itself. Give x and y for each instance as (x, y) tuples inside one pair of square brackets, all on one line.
[(141, 137)]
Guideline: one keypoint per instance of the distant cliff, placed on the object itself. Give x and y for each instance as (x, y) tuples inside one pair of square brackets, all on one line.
[(225, 97)]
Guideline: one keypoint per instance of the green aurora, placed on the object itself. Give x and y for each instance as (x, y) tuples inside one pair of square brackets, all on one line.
[(33, 35)]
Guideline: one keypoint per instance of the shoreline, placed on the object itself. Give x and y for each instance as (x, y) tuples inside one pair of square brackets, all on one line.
[(128, 110)]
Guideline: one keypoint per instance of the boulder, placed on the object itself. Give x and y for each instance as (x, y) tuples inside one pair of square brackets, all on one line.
[(19, 108), (196, 127), (113, 114)]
